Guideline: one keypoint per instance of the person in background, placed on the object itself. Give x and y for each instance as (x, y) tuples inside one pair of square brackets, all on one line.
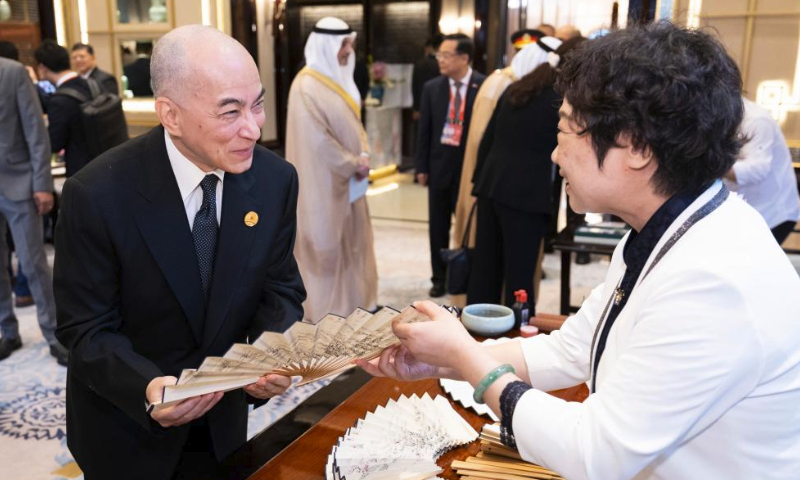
[(425, 69), (138, 71), (547, 29), (522, 38), (567, 32), (9, 50), (171, 248), (22, 293), (513, 181), (26, 193), (83, 62), (443, 133), (764, 175), (485, 101), (326, 142), (63, 112), (692, 343)]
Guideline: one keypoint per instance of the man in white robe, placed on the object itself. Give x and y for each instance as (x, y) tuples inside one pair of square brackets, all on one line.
[(326, 142)]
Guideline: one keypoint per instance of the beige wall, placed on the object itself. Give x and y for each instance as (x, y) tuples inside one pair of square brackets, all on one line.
[(763, 36), (94, 22)]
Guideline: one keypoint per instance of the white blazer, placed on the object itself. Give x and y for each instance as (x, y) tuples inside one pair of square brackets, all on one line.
[(701, 373)]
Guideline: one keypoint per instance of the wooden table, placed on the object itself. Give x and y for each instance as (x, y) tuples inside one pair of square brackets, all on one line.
[(305, 459)]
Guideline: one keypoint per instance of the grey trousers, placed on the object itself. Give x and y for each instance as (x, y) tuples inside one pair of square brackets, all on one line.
[(27, 232)]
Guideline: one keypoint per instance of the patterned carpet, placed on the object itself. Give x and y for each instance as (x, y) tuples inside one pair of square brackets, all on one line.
[(32, 402)]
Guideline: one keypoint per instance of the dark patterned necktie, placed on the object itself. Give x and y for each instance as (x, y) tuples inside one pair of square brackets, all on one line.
[(457, 101), (204, 231)]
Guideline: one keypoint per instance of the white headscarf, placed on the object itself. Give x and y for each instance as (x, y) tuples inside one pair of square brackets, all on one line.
[(533, 55), (322, 51)]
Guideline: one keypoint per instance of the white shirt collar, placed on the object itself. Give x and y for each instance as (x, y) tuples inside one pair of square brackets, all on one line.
[(89, 73), (464, 80), (186, 173), (66, 78)]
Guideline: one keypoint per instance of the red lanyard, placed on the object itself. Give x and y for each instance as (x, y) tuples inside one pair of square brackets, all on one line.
[(451, 116)]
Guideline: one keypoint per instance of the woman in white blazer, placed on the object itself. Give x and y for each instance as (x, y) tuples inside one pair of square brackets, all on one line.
[(691, 347)]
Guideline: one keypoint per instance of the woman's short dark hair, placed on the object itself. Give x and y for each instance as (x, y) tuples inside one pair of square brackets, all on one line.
[(464, 45), (53, 56), (531, 85), (671, 90)]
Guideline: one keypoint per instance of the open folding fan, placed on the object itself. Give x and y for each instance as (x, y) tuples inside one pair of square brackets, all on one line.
[(309, 351)]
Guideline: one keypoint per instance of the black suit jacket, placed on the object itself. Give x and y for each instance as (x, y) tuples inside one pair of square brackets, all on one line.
[(514, 166), (138, 74), (130, 305), (106, 81), (64, 125), (442, 163)]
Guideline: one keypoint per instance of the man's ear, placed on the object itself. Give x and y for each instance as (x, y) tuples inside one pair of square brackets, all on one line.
[(169, 115)]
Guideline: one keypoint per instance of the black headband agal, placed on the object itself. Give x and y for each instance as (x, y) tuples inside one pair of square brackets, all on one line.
[(331, 31), (547, 48)]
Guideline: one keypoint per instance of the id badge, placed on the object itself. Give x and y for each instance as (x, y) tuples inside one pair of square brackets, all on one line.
[(451, 134)]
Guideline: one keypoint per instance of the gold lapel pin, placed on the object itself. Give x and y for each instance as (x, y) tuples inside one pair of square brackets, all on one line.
[(619, 294), (251, 219)]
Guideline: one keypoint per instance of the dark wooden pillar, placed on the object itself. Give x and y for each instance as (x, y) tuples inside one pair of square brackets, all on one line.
[(434, 15), (47, 19), (491, 17), (497, 31), (243, 25)]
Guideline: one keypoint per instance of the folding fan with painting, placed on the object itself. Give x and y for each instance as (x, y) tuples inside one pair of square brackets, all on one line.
[(305, 350)]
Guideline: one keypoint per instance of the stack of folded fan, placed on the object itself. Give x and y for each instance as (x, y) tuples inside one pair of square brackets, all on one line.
[(496, 461), (400, 441)]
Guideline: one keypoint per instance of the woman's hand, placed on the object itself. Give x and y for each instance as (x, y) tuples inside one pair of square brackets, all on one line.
[(427, 349), (442, 342)]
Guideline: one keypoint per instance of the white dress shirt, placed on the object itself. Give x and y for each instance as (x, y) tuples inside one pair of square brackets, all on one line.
[(66, 78), (88, 73), (764, 173), (463, 88), (189, 177), (700, 378)]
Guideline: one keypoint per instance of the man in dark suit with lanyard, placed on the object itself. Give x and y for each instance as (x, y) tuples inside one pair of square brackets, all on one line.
[(170, 248), (443, 128)]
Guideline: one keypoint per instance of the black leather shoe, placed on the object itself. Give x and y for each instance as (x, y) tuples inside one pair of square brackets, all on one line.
[(60, 353), (8, 345), (436, 291)]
